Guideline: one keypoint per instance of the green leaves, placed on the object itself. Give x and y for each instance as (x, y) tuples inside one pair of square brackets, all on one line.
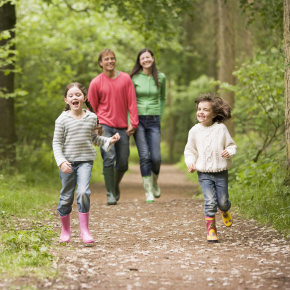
[(33, 239), (260, 106)]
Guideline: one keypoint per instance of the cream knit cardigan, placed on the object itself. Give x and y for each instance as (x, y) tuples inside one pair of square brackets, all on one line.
[(205, 145)]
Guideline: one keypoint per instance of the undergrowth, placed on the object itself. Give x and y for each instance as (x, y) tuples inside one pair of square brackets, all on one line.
[(25, 251), (258, 192)]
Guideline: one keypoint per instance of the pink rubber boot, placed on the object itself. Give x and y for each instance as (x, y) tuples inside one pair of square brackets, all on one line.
[(84, 225), (65, 231)]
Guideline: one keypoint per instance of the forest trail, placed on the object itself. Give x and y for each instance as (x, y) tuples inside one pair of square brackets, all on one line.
[(163, 245)]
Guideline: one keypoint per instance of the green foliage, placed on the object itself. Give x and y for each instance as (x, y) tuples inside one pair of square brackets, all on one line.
[(256, 173), (153, 18), (264, 198), (271, 12), (260, 106), (34, 239), (182, 110), (25, 248), (18, 196)]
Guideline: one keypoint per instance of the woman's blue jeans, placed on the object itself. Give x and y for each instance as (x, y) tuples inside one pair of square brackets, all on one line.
[(215, 191), (147, 139), (80, 176)]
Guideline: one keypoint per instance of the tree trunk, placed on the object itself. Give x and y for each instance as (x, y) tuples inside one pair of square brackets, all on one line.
[(227, 52), (7, 128), (287, 76)]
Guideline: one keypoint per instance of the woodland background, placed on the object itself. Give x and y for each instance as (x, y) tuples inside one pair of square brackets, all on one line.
[(233, 47)]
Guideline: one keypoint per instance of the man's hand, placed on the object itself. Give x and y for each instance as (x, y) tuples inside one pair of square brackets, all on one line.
[(225, 154), (115, 138), (65, 167), (191, 168), (131, 130)]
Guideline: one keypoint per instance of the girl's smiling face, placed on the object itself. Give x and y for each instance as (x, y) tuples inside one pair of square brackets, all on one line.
[(205, 114), (75, 98)]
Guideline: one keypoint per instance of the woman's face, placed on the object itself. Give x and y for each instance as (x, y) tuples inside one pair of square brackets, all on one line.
[(146, 59)]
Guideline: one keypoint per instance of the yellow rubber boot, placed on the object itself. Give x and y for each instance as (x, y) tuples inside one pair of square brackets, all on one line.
[(227, 218)]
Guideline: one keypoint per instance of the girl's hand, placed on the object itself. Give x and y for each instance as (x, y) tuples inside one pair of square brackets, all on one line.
[(115, 138), (225, 154), (191, 168), (65, 167)]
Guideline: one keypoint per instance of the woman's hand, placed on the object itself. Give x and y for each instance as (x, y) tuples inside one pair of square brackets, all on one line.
[(191, 168), (130, 130), (115, 138), (65, 167), (225, 154)]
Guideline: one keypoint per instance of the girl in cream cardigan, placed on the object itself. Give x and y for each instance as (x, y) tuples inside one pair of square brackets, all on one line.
[(209, 151)]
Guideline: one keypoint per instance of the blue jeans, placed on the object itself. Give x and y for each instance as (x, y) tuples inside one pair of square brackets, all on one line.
[(119, 152), (147, 139), (215, 191), (80, 176)]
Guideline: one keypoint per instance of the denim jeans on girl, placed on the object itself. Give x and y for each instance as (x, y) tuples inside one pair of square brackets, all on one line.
[(119, 152), (215, 191), (80, 176), (147, 139)]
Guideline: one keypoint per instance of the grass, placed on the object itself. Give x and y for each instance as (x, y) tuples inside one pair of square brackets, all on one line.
[(24, 240), (268, 201), (258, 193), (26, 199)]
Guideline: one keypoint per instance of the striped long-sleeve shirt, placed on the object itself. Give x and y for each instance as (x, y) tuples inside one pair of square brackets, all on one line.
[(73, 139)]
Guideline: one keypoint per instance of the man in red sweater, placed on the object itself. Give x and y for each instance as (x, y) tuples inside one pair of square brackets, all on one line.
[(112, 95)]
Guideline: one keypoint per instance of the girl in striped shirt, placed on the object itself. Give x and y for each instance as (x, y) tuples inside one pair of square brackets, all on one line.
[(76, 130)]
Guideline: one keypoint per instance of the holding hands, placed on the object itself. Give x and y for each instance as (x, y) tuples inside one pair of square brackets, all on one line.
[(65, 167), (131, 130), (191, 168), (225, 154), (115, 138)]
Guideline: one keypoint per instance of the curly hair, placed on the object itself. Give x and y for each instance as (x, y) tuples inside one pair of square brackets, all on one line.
[(88, 104), (219, 106)]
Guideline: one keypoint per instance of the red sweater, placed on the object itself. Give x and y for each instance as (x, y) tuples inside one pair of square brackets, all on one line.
[(111, 99)]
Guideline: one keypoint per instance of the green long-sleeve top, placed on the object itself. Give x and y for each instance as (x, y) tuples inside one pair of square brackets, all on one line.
[(150, 99)]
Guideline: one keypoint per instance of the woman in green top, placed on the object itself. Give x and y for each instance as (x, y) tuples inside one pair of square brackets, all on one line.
[(151, 97)]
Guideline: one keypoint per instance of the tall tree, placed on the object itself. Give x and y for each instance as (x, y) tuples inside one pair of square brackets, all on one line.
[(287, 76), (227, 52), (7, 128)]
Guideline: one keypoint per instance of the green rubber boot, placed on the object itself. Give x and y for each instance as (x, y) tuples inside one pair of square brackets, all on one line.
[(147, 184), (118, 177), (156, 188), (109, 175)]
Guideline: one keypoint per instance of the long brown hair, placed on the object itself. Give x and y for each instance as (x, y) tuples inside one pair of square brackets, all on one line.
[(138, 67), (219, 106), (88, 104)]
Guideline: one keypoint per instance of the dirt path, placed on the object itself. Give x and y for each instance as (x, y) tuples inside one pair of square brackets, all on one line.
[(163, 245)]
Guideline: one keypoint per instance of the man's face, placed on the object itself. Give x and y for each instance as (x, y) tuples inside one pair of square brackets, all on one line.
[(108, 62)]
